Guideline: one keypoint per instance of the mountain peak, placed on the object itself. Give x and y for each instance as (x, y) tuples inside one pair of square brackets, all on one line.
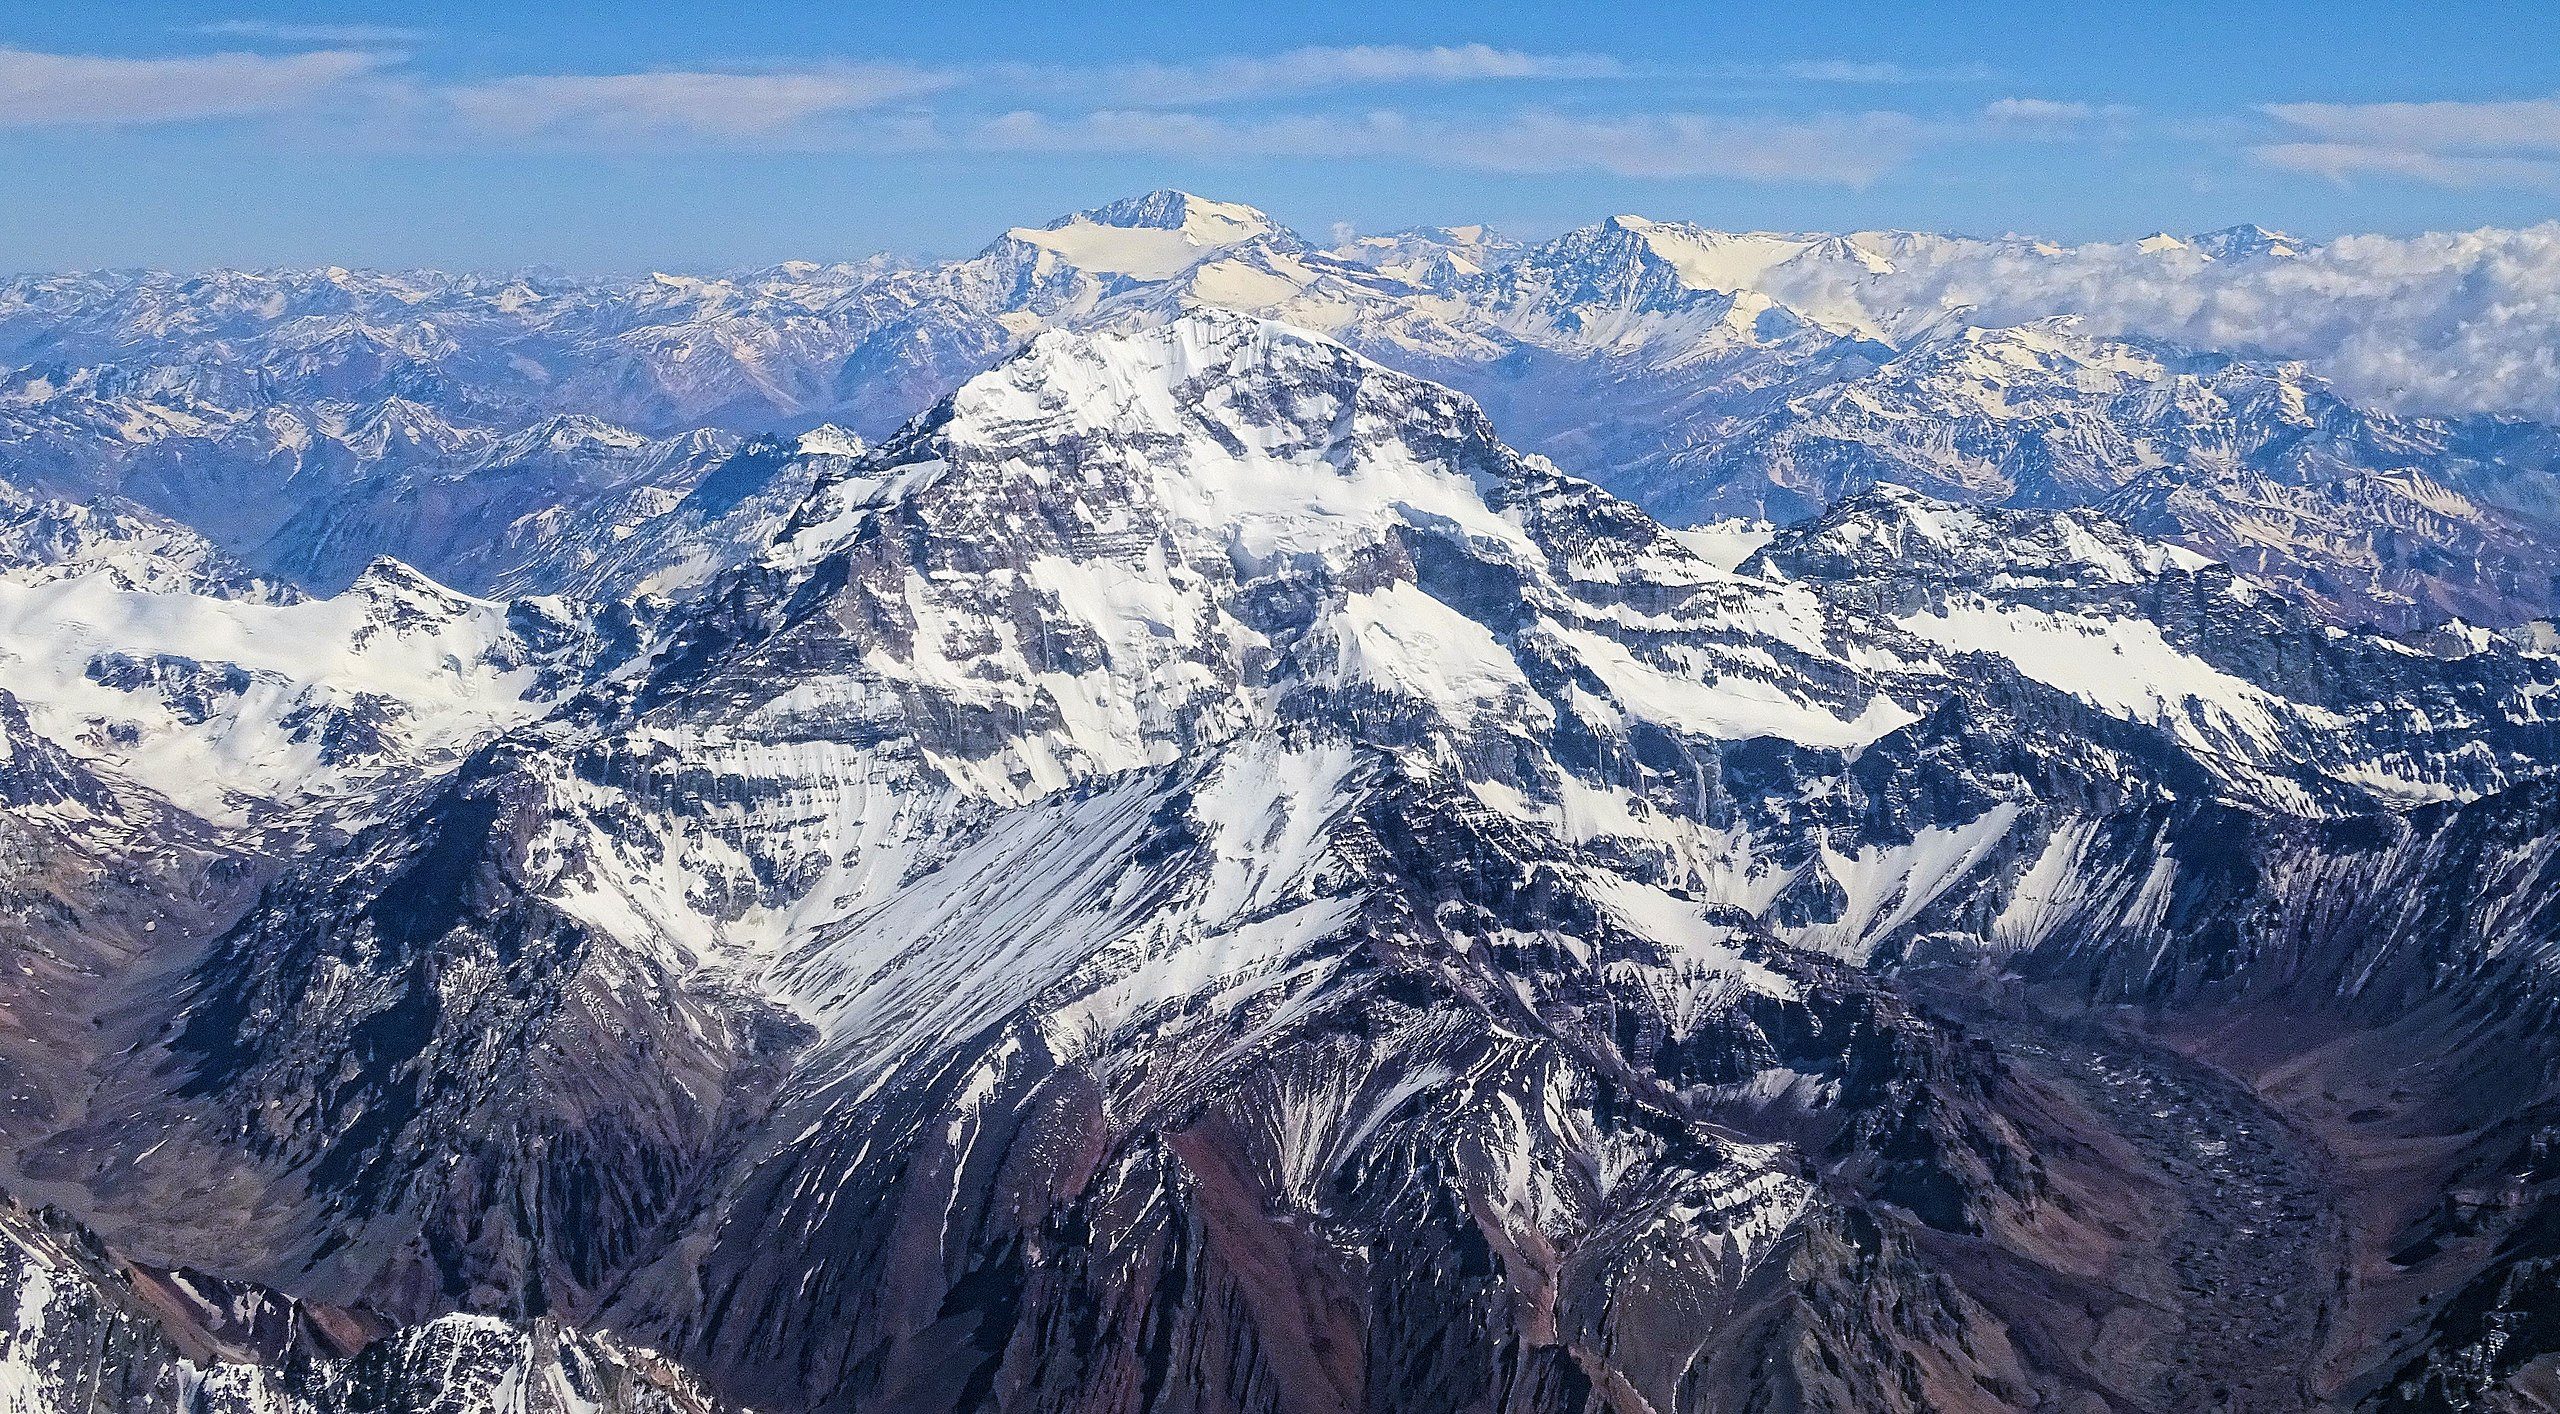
[(2247, 239), (390, 579), (1136, 378), (1151, 237), (1425, 253), (1258, 435), (562, 432), (1169, 209)]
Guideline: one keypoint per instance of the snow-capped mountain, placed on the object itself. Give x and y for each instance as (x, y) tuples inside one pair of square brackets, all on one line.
[(1165, 816), (96, 1329), (1194, 867)]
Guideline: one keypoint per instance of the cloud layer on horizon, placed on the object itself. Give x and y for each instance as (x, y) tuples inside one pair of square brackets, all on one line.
[(2447, 322), (1230, 106), (1464, 106)]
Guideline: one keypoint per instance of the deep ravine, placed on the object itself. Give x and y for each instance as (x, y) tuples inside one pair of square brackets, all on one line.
[(2239, 1265)]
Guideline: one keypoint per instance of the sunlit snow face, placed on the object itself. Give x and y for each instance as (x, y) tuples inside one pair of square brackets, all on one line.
[(227, 704)]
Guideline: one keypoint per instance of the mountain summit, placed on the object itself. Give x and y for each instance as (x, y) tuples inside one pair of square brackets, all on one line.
[(1151, 237)]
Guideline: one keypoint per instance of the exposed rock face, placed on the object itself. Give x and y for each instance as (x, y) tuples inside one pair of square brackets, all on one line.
[(93, 1330)]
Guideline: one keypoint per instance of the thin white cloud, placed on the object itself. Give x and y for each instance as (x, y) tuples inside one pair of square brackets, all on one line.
[(336, 36), (2037, 110), (1871, 71), (702, 105), (45, 90), (2345, 161), (2511, 143), (2529, 125), (1166, 109), (1308, 70), (2053, 118), (1839, 149)]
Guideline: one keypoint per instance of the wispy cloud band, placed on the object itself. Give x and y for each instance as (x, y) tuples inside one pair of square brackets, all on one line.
[(2512, 143), (1878, 71), (336, 36), (1850, 149), (1309, 69), (49, 90), (701, 104), (1292, 103), (1169, 109)]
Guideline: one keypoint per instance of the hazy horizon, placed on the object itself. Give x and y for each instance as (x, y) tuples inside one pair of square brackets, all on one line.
[(469, 136)]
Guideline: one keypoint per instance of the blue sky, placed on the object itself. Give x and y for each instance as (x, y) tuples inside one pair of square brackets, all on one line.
[(624, 136)]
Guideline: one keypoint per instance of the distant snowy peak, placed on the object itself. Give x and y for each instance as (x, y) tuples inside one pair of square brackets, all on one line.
[(1732, 261), (2242, 242), (2245, 241), (1167, 209), (566, 434), (1597, 278), (1152, 237), (1430, 256)]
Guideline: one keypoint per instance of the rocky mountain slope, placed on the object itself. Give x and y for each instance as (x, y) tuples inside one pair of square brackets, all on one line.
[(1194, 876), (95, 1330)]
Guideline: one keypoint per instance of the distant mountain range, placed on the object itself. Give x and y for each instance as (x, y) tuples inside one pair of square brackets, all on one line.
[(312, 420)]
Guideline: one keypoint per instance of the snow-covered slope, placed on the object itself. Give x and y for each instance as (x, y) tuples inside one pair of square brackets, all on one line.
[(230, 704)]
